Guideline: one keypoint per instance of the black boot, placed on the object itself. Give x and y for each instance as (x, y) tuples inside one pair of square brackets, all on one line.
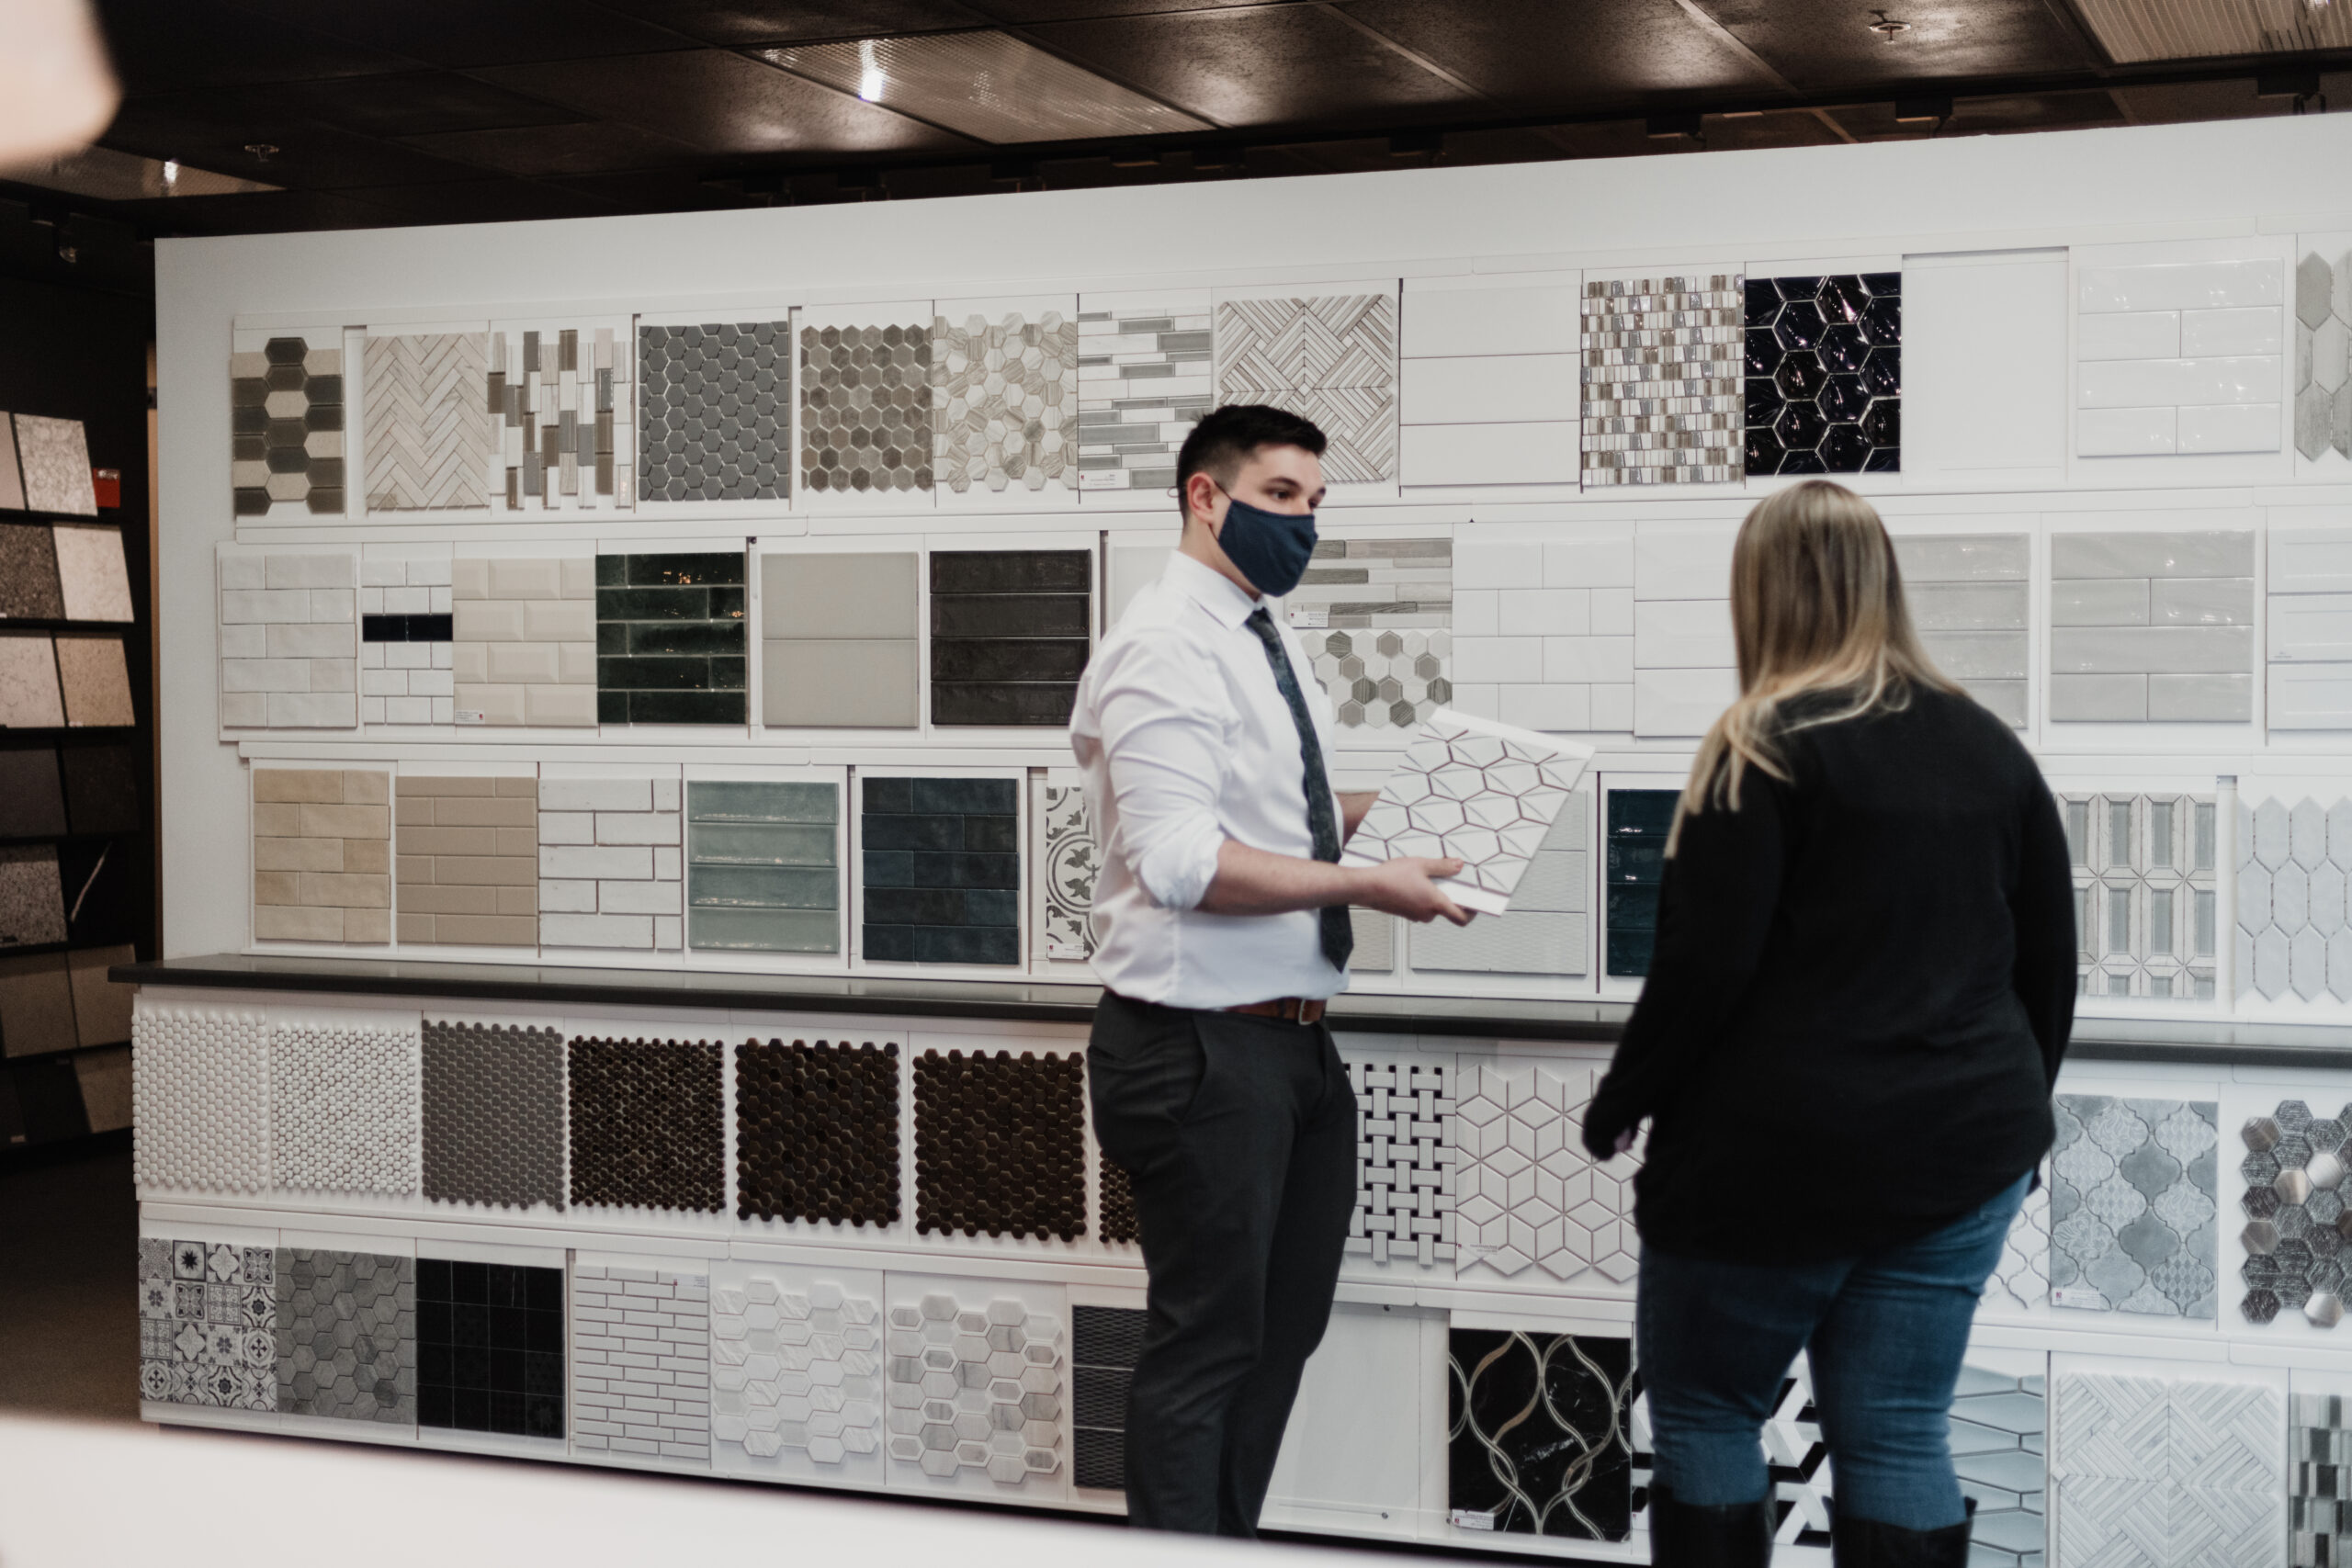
[(1693, 1535), (1866, 1543)]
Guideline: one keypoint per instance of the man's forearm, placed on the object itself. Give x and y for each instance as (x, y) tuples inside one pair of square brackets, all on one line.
[(1258, 882)]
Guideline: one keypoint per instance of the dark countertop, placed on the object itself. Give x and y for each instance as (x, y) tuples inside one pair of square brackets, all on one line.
[(2217, 1041)]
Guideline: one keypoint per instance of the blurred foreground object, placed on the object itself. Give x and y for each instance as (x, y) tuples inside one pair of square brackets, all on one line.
[(57, 91)]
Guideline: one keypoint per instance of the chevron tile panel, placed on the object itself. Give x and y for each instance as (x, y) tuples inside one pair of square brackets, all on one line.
[(428, 429), (1332, 359)]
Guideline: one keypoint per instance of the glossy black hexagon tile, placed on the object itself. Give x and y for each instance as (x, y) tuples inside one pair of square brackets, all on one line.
[(1825, 374), (2298, 1235)]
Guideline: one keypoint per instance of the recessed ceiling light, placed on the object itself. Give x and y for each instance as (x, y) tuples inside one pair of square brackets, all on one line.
[(869, 74), (1887, 27), (107, 175), (2135, 30)]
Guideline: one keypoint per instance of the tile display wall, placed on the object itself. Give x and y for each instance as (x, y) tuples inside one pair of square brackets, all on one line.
[(2167, 1472), (1001, 1144), (1547, 929), (559, 401), (1331, 358), (611, 864), (1490, 382), (200, 1093), (526, 633), (2177, 357), (797, 1364), (2292, 936), (1405, 1162), (1004, 401), (32, 900), (1525, 1194), (816, 1131), (865, 408), (977, 1380), (2319, 1479), (286, 457), (28, 696), (1632, 865), (940, 880), (669, 640), (1069, 859), (1825, 374), (343, 1108), (406, 657), (494, 1103), (716, 412), (648, 1124), (1009, 635), (640, 1363), (346, 1336), (289, 655), (2144, 896), (1544, 631), (208, 1324), (469, 860), (490, 1352), (2152, 626), (1105, 1343), (763, 866), (1662, 380), (321, 849), (2308, 629), (1999, 1430), (2295, 1217), (2323, 354), (1538, 1432), (840, 640), (1463, 791), (1374, 617), (1969, 599), (429, 435), (1685, 668), (1144, 379), (2132, 1205), (94, 584)]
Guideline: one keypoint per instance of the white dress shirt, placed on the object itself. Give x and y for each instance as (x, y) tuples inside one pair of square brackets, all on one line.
[(1186, 742)]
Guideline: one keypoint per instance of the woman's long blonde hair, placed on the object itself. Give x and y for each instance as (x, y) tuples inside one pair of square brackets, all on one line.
[(1816, 606)]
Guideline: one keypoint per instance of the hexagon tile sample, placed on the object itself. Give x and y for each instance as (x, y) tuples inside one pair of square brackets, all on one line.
[(865, 408), (796, 1371), (1375, 618), (1004, 401), (1405, 1162), (2131, 1205), (493, 1115), (2298, 1235), (1825, 374), (1525, 1194), (285, 419), (208, 1324), (2323, 355), (816, 1131), (640, 1363), (346, 1336), (2293, 934), (343, 1108), (717, 412), (648, 1124), (1001, 1144), (976, 1382)]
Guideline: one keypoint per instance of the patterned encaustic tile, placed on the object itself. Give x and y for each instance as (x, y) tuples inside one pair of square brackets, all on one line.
[(559, 402), (1105, 1343), (1663, 391), (1538, 1432), (492, 1114), (975, 1379), (346, 1336), (1825, 374), (816, 1131), (286, 404), (1144, 377), (717, 412), (2133, 1216), (1331, 358), (2297, 1226), (1405, 1162), (345, 1107), (796, 1370), (208, 1324), (1004, 401), (1467, 791), (1001, 1144), (640, 1363), (289, 647), (1068, 859), (671, 645), (1374, 617), (490, 1348), (648, 1124), (2144, 896), (429, 439), (865, 408), (2323, 355), (1525, 1194), (200, 1094), (2293, 938)]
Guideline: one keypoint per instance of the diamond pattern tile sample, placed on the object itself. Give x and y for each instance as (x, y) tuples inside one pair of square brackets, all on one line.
[(289, 654), (865, 408), (1538, 1432), (1004, 401), (1068, 859), (490, 1348), (2296, 1225), (2021, 1279), (492, 1114), (1001, 1144), (29, 575), (1524, 1194), (2319, 1483), (1405, 1162), (2152, 626), (36, 1005), (1374, 616), (323, 846), (1479, 792), (1144, 379), (1825, 374), (32, 901), (201, 1089), (343, 1108), (648, 1124), (559, 407), (286, 456), (2144, 893), (12, 481), (840, 639), (763, 866), (526, 640), (715, 419), (90, 571), (816, 1131), (1105, 1345), (2323, 354), (1969, 601), (2168, 1471), (97, 683), (942, 871), (1331, 358), (1662, 380), (406, 659), (346, 1336), (640, 1363), (1009, 635), (977, 1377), (2292, 939), (28, 696), (611, 864), (429, 437), (208, 1324), (2177, 355), (797, 1370), (2132, 1206), (669, 640), (1999, 1426), (468, 865), (1548, 928)]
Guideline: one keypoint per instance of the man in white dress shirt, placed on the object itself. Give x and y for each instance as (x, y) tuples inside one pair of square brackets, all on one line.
[(1221, 926)]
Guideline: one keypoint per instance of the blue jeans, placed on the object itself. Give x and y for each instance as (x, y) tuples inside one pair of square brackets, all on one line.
[(1885, 1333)]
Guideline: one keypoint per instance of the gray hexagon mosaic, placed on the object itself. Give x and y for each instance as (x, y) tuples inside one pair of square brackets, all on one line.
[(1374, 617), (285, 424), (865, 408), (2297, 1236), (2323, 355), (207, 1321), (1004, 401), (2133, 1216), (715, 411), (346, 1336), (2292, 936), (975, 1388)]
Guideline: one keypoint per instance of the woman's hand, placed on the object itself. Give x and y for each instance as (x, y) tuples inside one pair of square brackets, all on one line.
[(1625, 1140)]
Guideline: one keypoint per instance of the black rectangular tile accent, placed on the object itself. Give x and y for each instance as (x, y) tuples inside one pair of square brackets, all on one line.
[(1639, 820), (942, 868), (671, 643), (490, 1348), (1105, 1343), (406, 628), (1009, 635)]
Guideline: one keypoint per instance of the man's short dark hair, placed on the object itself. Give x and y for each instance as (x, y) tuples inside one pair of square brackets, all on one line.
[(1225, 438)]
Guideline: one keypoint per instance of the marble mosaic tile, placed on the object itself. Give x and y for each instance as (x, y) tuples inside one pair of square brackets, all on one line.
[(716, 418), (200, 1088), (2292, 938), (2145, 899), (31, 803), (1374, 617), (29, 582), (1537, 1437), (2021, 1279), (942, 871), (525, 640), (1001, 1144), (102, 1007), (1004, 401), (797, 1370), (322, 841), (29, 698), (1479, 792), (2323, 354), (2170, 1472), (208, 1324), (96, 680), (865, 408), (1068, 859), (670, 638), (1405, 1162), (1999, 1426), (32, 899), (490, 1354), (2319, 1479), (343, 1108), (346, 1336), (640, 1363), (96, 584), (1106, 1344), (841, 639), (1548, 929), (492, 1114), (54, 456), (1009, 635), (2176, 356), (407, 659), (763, 866), (105, 1081), (1331, 358), (1825, 374), (648, 1124), (562, 419), (612, 870), (1525, 1194), (469, 860), (2152, 626), (977, 1376), (2296, 1225), (12, 478), (289, 655), (101, 789), (1970, 599), (429, 434), (816, 1131), (2132, 1206), (1663, 399), (286, 404), (36, 1005), (1144, 377)]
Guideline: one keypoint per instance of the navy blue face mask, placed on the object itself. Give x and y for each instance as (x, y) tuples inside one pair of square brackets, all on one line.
[(1271, 548)]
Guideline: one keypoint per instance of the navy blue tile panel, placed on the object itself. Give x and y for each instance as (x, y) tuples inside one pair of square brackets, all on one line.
[(490, 1348), (1009, 635), (1825, 374), (942, 871), (1639, 820), (670, 638)]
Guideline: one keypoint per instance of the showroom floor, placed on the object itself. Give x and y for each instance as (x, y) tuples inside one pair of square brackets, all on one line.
[(68, 1309)]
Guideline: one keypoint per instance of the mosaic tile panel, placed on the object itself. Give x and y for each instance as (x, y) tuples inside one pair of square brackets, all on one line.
[(492, 1114), (764, 867), (2319, 1480), (1009, 635), (200, 1093), (2144, 893), (346, 1336), (2021, 1279), (1001, 1144), (796, 1370), (1969, 600), (1999, 1425), (669, 640), (866, 408), (2172, 1473), (640, 1363), (559, 406), (942, 871), (54, 455), (406, 657), (1004, 399), (207, 1325), (490, 1348), (1405, 1163), (29, 577), (2176, 356), (1105, 1345), (2292, 939), (1330, 358), (93, 578), (1068, 859), (2323, 355), (1144, 379), (28, 696), (525, 640), (1663, 400), (1548, 927), (1537, 1432), (32, 900), (648, 1124), (343, 1108), (468, 865), (611, 864), (2132, 1206), (2296, 1224), (1825, 374), (816, 1131), (289, 654), (1117, 1196), (323, 848), (429, 437), (1525, 1194), (716, 415), (2152, 626), (286, 456), (1374, 615), (976, 1380)]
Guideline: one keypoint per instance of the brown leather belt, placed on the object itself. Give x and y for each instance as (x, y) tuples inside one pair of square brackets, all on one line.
[(1292, 1009)]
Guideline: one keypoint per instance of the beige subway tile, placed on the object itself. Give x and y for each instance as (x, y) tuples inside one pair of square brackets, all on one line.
[(469, 664), (530, 578), (416, 870), (573, 706), (449, 841), (483, 871), (438, 900), (497, 705), (488, 931), (277, 819), (369, 855), (415, 928), (412, 811), (525, 787), (346, 822), (469, 579), (523, 663), (523, 901), (579, 576), (490, 620), (346, 891), (576, 664), (439, 786), (366, 787), (297, 854), (316, 923), (517, 841), (367, 925), (561, 620), (299, 785), (487, 814), (276, 887)]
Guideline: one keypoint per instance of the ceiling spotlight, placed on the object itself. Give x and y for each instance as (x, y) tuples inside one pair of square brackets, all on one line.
[(262, 150), (869, 73), (171, 173), (1887, 27)]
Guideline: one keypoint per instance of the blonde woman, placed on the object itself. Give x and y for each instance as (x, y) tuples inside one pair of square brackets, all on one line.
[(1862, 986)]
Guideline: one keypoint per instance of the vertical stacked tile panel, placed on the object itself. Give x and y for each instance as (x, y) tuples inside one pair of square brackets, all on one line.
[(2144, 893), (763, 866), (468, 865), (611, 865), (942, 872), (1662, 386), (670, 638), (716, 412), (1145, 377), (525, 640), (407, 620), (2310, 628), (2293, 937), (289, 655), (285, 418), (1685, 671), (1375, 618), (559, 398), (1969, 600), (322, 855), (1490, 385), (2177, 352), (1106, 1344), (640, 1363), (1634, 855), (2152, 627), (429, 440), (1825, 374), (1331, 358), (2323, 353), (2319, 1479), (841, 641), (1009, 635), (1004, 401)]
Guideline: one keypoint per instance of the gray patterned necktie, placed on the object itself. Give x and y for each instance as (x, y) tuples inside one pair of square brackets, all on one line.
[(1322, 822)]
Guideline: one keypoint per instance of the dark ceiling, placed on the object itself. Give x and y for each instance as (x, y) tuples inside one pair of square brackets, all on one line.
[(382, 112)]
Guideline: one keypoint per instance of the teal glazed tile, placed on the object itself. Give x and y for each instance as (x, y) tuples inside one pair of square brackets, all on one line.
[(670, 638), (942, 871), (1009, 635), (28, 585), (762, 866)]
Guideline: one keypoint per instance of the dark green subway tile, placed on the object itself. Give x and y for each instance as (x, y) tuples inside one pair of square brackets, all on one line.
[(764, 843), (763, 886)]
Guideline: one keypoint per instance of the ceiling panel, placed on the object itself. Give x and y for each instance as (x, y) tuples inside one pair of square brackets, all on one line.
[(1830, 47), (1588, 53), (987, 85), (783, 21), (475, 32), (169, 45), (2189, 30), (484, 201), (1078, 10), (588, 149), (417, 102), (212, 131)]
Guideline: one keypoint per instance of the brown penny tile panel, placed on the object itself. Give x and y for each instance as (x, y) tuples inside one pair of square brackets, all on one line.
[(468, 865), (323, 846), (1119, 1221), (493, 1115), (648, 1123), (999, 1143), (817, 1132)]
